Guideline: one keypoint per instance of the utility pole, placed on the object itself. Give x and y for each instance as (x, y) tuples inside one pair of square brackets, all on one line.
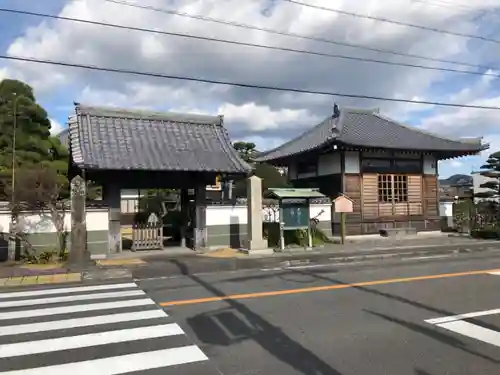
[(14, 126), (14, 218)]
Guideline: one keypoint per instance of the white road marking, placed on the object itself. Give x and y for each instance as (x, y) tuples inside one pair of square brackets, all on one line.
[(313, 266), (429, 257), (81, 322), (83, 297), (335, 264), (453, 318), (78, 289), (87, 340), (474, 331), (496, 273), (121, 364), (73, 309)]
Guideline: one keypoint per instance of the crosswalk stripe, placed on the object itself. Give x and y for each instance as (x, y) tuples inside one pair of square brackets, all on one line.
[(75, 308), (81, 322), (473, 331), (452, 318), (87, 340), (78, 289), (121, 364), (109, 329), (84, 297)]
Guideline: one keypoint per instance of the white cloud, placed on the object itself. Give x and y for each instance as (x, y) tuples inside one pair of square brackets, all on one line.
[(56, 127), (262, 118), (456, 163), (264, 115)]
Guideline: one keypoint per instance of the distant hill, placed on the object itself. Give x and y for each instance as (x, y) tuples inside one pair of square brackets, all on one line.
[(456, 179)]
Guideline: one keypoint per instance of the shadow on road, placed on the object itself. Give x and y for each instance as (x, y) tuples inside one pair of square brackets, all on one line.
[(430, 332), (224, 327), (421, 372)]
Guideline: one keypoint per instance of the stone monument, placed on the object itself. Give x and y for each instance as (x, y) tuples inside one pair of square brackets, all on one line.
[(78, 257), (256, 244)]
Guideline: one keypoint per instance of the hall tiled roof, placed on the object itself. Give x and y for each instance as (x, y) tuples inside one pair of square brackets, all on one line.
[(106, 138), (368, 129)]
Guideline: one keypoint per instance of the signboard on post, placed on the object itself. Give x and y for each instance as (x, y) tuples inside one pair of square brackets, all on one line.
[(294, 207), (295, 214), (343, 204)]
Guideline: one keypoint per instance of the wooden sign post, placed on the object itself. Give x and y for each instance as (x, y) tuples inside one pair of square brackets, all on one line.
[(343, 204)]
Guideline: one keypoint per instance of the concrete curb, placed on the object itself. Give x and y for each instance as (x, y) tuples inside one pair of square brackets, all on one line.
[(192, 265), (38, 280)]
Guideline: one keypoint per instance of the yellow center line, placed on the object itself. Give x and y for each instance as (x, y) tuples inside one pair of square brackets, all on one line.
[(321, 288)]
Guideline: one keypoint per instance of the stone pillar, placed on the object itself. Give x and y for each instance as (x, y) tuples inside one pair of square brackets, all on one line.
[(78, 256), (112, 197), (184, 215), (255, 240), (200, 219)]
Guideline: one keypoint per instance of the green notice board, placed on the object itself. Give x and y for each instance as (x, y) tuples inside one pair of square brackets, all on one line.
[(295, 213)]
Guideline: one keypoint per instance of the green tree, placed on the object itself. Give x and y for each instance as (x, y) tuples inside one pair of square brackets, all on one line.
[(39, 189), (271, 177), (247, 150), (25, 139), (491, 170)]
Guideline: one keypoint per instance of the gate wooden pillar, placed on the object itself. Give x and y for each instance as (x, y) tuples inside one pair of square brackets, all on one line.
[(200, 219), (111, 195), (184, 215)]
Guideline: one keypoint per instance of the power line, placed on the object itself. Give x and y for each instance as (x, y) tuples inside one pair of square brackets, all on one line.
[(253, 45), (296, 35), (239, 84), (394, 22)]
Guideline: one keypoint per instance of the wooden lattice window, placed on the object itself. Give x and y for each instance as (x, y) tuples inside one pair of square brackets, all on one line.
[(385, 188), (400, 184), (392, 188)]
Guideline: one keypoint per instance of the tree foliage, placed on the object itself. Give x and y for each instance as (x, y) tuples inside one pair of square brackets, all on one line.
[(491, 170), (38, 189), (271, 177), (247, 150), (33, 163), (22, 119)]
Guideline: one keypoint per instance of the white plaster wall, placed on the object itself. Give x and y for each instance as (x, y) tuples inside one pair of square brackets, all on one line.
[(430, 165), (224, 215), (351, 162), (97, 219), (446, 209), (329, 164)]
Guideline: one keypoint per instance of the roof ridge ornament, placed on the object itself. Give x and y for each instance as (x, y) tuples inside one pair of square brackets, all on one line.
[(336, 111), (333, 124)]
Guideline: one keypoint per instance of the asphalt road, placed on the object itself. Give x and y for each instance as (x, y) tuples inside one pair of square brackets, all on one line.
[(374, 319)]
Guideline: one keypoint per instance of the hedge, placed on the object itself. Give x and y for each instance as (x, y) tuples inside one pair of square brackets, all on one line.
[(294, 237), (487, 233)]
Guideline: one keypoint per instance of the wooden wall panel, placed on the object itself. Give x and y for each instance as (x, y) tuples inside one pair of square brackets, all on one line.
[(352, 188), (430, 196), (415, 195), (372, 208), (370, 196)]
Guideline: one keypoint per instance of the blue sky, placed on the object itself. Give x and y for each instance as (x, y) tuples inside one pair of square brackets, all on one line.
[(268, 117)]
